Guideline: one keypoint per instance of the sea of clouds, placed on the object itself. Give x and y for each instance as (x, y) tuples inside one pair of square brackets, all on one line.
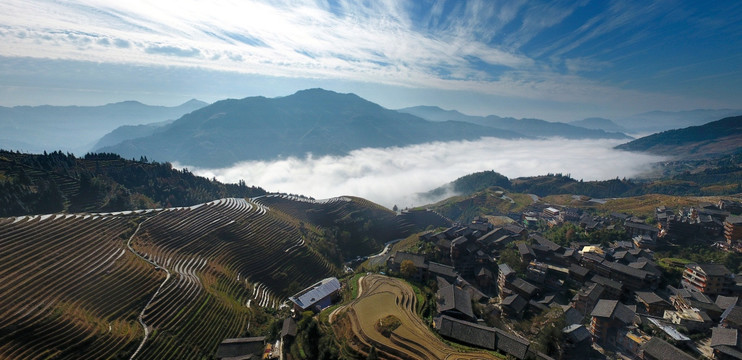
[(396, 175)]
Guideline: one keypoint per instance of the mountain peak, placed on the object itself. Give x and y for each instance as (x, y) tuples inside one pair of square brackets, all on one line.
[(194, 103)]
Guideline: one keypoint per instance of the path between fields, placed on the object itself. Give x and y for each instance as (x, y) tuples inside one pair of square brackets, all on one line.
[(157, 266), (331, 318)]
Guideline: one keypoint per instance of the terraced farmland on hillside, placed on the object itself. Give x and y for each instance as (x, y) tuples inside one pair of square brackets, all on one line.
[(88, 285), (380, 298)]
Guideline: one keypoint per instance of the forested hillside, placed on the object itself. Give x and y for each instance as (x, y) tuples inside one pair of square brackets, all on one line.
[(712, 139), (688, 177), (54, 182)]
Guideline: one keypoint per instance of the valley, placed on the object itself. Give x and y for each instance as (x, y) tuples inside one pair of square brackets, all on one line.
[(106, 257)]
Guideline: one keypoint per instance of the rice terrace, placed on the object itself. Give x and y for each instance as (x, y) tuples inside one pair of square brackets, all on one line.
[(381, 298)]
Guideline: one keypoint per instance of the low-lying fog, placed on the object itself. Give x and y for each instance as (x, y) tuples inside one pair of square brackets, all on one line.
[(395, 175)]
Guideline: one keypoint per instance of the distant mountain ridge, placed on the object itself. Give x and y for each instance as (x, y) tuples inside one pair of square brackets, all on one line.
[(77, 128), (314, 121), (721, 137), (128, 132), (656, 121), (528, 127), (600, 123)]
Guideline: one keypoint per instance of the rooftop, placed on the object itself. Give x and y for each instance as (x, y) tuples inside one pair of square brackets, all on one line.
[(309, 296), (724, 336), (649, 297), (662, 350), (711, 269), (614, 310), (466, 332), (453, 298), (417, 259)]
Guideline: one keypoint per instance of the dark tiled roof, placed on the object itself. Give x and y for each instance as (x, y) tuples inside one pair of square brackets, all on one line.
[(466, 332), (546, 242), (453, 298), (725, 302), (443, 270), (724, 336), (515, 302), (606, 282), (511, 344), (524, 249), (733, 315), (289, 327), (661, 349), (614, 310), (713, 269), (240, 347), (571, 315), (627, 270), (417, 259), (505, 269), (649, 297), (515, 229), (731, 352), (593, 257), (576, 333), (525, 286), (579, 270), (641, 226)]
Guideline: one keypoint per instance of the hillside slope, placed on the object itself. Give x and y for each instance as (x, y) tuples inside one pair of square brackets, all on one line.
[(85, 286), (313, 121), (54, 182), (716, 138)]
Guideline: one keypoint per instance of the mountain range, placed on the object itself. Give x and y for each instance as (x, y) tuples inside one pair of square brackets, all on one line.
[(77, 128), (319, 122), (315, 121), (528, 127)]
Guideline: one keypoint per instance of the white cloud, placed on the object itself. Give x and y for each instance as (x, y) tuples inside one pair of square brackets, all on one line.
[(375, 42), (394, 175)]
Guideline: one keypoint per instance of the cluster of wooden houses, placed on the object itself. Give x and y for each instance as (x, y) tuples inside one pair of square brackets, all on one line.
[(611, 295)]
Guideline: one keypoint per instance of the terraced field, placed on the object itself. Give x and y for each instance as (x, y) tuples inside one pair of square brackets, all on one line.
[(165, 283), (381, 297)]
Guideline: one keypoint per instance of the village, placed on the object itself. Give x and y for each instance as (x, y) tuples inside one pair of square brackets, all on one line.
[(614, 296), (608, 297)]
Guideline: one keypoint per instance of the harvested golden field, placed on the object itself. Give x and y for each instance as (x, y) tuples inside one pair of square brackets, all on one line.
[(380, 298)]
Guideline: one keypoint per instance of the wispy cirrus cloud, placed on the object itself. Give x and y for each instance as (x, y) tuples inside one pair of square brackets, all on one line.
[(521, 49)]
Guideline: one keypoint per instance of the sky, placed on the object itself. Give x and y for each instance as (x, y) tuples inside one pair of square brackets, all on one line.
[(398, 175), (555, 60)]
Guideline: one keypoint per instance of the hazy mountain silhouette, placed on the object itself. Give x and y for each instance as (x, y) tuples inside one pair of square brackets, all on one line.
[(77, 128), (313, 121), (528, 127)]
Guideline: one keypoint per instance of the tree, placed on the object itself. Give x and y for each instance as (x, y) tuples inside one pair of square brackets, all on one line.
[(407, 268)]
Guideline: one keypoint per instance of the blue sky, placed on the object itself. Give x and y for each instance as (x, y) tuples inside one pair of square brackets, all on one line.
[(557, 60)]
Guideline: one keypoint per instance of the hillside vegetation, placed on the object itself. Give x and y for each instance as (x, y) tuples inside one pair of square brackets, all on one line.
[(55, 182), (174, 282), (682, 178), (716, 138)]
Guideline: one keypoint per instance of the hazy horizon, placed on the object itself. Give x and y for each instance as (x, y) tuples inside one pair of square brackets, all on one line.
[(559, 61)]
